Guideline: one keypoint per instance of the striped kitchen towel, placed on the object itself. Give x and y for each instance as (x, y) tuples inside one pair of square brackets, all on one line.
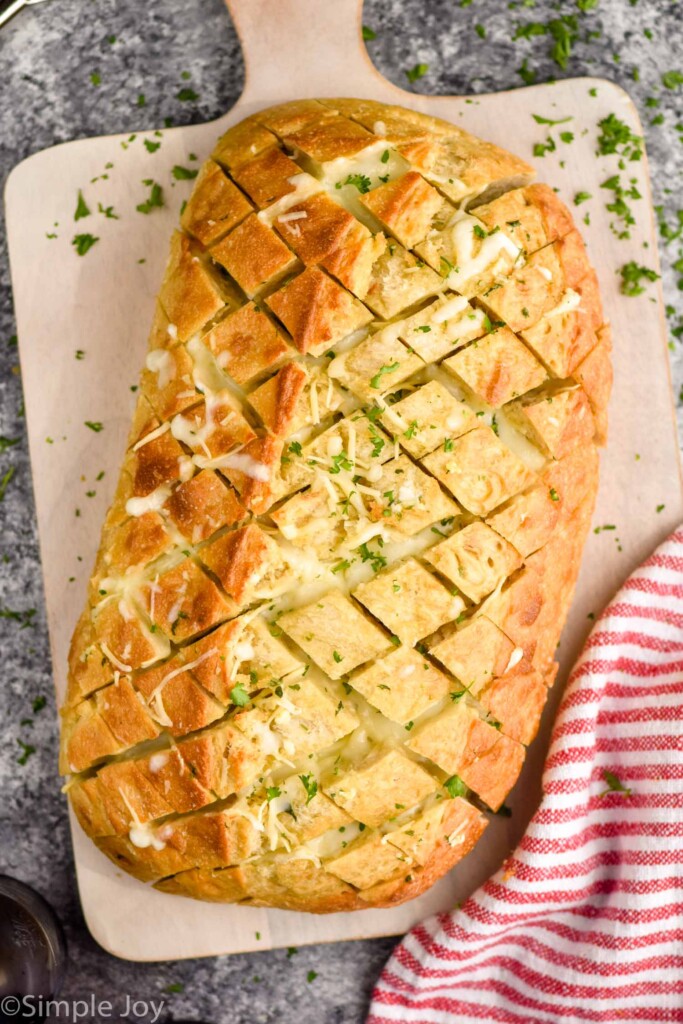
[(584, 922)]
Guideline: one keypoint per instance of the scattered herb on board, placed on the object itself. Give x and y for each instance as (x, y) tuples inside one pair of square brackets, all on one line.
[(311, 976), (187, 95), (582, 197), (83, 243), (82, 208), (150, 146), (8, 442), (107, 211), (619, 205), (632, 274), (541, 148), (154, 199), (96, 78), (616, 137), (94, 425), (176, 987), (369, 33), (548, 120), (184, 173)]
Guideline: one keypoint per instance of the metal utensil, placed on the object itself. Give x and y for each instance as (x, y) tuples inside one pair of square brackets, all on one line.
[(8, 8)]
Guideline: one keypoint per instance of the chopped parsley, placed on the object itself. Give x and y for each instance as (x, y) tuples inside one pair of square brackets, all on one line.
[(239, 696), (631, 276), (672, 79), (82, 208), (455, 786), (184, 173), (582, 197), (150, 146), (27, 750), (376, 560), (3, 484), (359, 181), (376, 381), (554, 496), (311, 976), (83, 243), (24, 618), (416, 72), (339, 462), (310, 785), (94, 425), (619, 205), (527, 74), (541, 148), (617, 137), (107, 211), (548, 120), (368, 33), (8, 442), (187, 95), (272, 792), (614, 784), (154, 199)]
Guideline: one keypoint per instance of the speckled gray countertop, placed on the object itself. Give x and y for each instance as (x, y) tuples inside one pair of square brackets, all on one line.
[(87, 63)]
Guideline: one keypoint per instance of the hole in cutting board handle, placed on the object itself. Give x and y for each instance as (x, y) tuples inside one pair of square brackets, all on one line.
[(302, 48)]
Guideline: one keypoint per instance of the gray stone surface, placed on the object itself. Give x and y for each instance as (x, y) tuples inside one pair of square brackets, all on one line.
[(47, 57)]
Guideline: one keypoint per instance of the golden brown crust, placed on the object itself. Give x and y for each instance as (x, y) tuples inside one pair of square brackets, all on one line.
[(371, 328)]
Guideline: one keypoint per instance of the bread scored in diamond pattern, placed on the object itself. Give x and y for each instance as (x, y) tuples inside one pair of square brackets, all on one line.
[(322, 621)]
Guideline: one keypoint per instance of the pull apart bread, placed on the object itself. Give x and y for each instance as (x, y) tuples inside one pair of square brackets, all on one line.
[(321, 626)]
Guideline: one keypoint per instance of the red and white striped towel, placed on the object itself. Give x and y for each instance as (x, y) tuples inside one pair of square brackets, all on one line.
[(585, 920)]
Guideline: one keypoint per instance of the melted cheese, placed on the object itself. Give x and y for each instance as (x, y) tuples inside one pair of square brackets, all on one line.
[(161, 362), (474, 256)]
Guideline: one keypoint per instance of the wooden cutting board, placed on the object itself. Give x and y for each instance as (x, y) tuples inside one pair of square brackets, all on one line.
[(101, 305)]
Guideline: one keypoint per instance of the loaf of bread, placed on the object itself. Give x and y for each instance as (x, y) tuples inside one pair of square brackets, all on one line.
[(322, 620)]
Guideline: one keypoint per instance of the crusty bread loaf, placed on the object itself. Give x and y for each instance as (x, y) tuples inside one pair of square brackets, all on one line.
[(322, 620)]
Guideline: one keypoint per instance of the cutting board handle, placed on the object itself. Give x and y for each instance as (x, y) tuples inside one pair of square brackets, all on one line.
[(302, 48)]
